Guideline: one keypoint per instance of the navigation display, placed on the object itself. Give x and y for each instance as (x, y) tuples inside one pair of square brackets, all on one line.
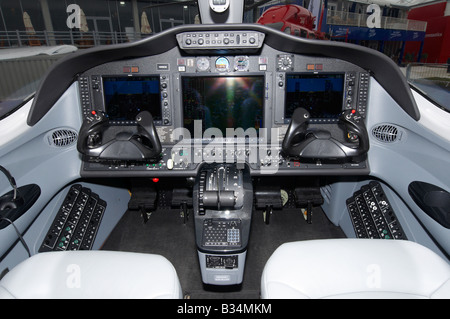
[(321, 94), (126, 96), (223, 102)]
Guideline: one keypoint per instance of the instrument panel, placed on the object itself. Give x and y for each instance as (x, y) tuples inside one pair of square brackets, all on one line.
[(234, 107)]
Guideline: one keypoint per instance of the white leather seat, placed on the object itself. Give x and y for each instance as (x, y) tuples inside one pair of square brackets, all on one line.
[(355, 268), (92, 274)]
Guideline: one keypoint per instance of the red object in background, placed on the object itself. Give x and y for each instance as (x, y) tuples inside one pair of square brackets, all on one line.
[(294, 18), (436, 44), (428, 11)]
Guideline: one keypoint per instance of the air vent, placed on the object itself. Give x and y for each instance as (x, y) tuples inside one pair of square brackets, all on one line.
[(62, 137), (386, 133)]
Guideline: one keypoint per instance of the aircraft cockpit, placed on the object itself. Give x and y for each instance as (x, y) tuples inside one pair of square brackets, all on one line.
[(230, 160)]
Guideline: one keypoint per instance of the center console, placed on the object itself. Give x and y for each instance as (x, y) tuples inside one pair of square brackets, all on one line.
[(223, 202)]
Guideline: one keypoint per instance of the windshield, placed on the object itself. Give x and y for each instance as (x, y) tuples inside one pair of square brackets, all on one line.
[(35, 34), (21, 71), (433, 80)]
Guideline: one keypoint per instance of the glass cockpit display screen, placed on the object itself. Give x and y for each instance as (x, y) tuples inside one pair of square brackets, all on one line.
[(126, 96), (321, 94), (223, 102)]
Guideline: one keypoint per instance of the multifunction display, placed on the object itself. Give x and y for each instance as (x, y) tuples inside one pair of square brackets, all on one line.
[(321, 94), (223, 102), (125, 97)]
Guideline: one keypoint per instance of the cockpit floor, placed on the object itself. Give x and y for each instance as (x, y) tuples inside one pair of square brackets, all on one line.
[(167, 235)]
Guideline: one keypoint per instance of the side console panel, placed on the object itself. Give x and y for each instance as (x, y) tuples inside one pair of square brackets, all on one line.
[(116, 200), (338, 212), (372, 215), (38, 158), (417, 154)]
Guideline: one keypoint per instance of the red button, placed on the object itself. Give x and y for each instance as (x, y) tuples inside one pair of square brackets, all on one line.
[(155, 180)]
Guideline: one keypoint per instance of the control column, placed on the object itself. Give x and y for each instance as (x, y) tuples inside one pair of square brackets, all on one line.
[(223, 201)]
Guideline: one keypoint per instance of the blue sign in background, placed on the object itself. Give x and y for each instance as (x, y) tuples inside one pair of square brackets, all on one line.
[(359, 33)]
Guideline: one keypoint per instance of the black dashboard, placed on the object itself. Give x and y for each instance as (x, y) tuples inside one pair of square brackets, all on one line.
[(166, 105)]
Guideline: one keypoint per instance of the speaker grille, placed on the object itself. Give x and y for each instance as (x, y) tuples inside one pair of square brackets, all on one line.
[(386, 133), (63, 137)]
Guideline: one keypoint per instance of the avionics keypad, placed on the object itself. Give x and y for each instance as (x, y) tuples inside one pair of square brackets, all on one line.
[(372, 214), (221, 232), (77, 221)]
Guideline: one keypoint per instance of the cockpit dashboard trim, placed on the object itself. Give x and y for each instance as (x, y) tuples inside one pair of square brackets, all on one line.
[(64, 72)]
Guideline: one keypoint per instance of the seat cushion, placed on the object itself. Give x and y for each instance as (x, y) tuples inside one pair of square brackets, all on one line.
[(92, 274), (355, 268)]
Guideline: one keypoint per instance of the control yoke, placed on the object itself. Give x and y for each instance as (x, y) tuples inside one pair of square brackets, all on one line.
[(98, 139), (319, 144)]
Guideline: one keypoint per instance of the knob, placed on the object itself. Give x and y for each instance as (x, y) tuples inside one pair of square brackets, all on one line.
[(170, 164)]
